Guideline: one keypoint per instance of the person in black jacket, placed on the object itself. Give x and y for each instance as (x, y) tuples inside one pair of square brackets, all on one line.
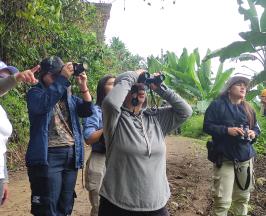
[(233, 126)]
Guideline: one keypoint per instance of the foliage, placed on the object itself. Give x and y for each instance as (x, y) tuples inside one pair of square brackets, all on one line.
[(253, 45), (15, 106), (191, 77), (260, 144), (34, 29), (122, 58), (193, 128)]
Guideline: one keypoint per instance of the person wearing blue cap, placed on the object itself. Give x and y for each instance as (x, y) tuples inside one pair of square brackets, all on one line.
[(9, 77), (56, 146)]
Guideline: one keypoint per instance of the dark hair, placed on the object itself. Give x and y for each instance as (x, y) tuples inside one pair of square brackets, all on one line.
[(250, 114), (248, 110), (101, 90)]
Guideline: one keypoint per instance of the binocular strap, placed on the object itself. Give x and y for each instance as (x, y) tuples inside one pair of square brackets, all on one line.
[(238, 170)]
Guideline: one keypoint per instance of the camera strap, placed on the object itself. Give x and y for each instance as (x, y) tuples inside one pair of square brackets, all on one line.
[(239, 170), (153, 101)]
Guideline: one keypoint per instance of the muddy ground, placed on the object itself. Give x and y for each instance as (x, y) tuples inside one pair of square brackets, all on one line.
[(189, 175)]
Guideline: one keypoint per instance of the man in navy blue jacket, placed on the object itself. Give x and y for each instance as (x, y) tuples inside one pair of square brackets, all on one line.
[(55, 151)]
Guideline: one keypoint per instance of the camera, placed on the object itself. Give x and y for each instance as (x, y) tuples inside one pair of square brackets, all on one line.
[(79, 68), (147, 79)]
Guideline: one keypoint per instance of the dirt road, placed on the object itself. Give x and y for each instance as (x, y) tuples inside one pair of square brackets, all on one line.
[(188, 172)]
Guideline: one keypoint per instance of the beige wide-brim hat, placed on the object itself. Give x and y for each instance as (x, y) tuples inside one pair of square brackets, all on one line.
[(232, 81)]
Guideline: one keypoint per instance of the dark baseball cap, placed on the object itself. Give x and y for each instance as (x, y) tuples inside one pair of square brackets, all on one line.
[(52, 65)]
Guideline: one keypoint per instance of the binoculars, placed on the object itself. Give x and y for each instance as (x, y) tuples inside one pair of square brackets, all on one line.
[(245, 137), (147, 79), (79, 68)]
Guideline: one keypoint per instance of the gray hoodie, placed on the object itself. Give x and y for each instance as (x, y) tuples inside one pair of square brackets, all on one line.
[(6, 84), (135, 176)]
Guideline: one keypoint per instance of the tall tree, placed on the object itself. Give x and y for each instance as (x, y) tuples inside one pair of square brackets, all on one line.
[(125, 59)]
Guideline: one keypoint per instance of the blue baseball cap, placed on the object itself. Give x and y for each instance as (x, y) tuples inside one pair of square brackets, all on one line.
[(52, 65), (11, 69)]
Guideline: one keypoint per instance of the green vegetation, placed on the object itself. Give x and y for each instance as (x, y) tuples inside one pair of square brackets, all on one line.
[(260, 144), (32, 30), (253, 45), (191, 77), (193, 128)]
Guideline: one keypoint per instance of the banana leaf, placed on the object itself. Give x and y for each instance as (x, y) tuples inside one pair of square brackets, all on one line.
[(183, 61), (197, 56), (262, 3), (252, 94), (154, 65), (172, 60), (219, 83), (232, 50), (258, 78), (250, 14), (255, 38), (179, 76), (194, 75), (263, 21)]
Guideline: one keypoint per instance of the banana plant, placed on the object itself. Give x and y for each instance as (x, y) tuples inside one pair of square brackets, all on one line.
[(253, 44), (191, 77)]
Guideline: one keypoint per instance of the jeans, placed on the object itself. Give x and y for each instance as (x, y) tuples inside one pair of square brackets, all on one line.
[(53, 186), (107, 207)]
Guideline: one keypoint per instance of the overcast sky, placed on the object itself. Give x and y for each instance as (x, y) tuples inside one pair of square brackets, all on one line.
[(188, 23)]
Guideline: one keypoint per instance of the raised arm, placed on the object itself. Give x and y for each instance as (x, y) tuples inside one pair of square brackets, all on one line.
[(114, 100), (42, 100), (91, 127), (173, 116)]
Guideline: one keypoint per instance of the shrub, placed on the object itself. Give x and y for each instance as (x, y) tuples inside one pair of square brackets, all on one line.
[(193, 128), (260, 144), (16, 109)]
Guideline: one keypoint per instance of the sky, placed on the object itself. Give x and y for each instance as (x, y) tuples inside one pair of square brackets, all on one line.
[(203, 24)]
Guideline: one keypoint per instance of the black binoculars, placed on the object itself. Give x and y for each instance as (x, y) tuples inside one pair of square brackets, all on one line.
[(147, 79), (79, 68)]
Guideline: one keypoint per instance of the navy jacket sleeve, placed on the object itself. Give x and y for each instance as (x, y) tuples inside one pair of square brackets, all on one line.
[(42, 100), (84, 108), (212, 118)]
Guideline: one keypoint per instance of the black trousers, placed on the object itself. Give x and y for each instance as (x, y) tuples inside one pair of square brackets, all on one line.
[(108, 209)]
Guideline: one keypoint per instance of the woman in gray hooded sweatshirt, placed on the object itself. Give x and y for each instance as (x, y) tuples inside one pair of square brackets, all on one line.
[(135, 182)]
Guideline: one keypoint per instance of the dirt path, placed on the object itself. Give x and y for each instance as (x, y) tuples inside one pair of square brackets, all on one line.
[(188, 172), (189, 175)]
